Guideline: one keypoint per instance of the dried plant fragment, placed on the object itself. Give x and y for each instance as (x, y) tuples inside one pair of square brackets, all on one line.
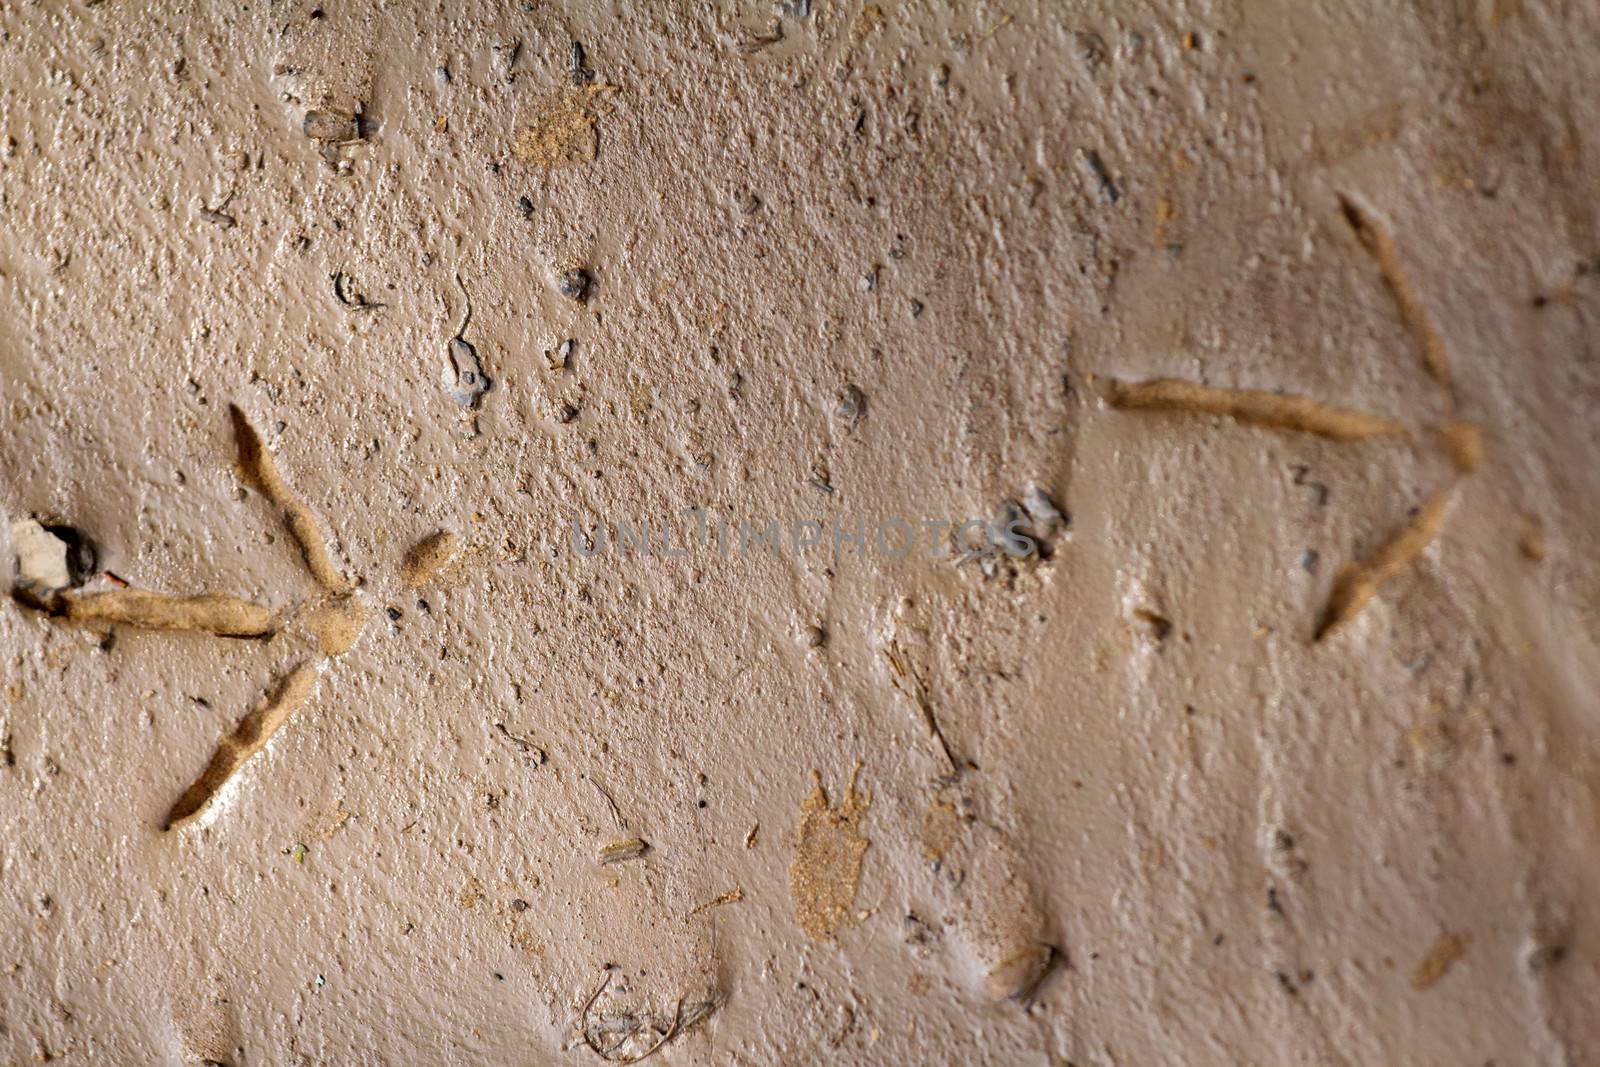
[(214, 613), (1300, 414), (623, 851), (563, 128), (1376, 240), (1357, 582), (428, 556), (827, 858), (732, 896), (258, 469), (908, 682), (1442, 955), (246, 739), (685, 1014)]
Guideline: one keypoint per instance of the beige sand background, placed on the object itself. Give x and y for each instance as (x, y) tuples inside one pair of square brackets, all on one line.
[(840, 262)]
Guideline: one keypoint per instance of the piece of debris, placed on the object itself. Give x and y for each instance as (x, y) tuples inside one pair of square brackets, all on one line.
[(532, 754), (851, 407), (354, 301), (623, 851), (1096, 167), (1047, 518), (463, 376), (1019, 974), (330, 127), (732, 896), (638, 1034), (218, 216), (41, 558), (575, 284)]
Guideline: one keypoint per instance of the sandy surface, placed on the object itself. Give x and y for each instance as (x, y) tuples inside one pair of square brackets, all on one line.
[(1281, 749)]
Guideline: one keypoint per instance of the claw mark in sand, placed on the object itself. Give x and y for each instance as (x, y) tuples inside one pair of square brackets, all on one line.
[(827, 858), (1279, 411), (1377, 241), (213, 613), (258, 469), (334, 618), (247, 738), (1357, 583)]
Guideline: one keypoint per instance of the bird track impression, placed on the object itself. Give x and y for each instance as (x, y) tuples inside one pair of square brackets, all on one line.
[(1357, 582), (334, 618)]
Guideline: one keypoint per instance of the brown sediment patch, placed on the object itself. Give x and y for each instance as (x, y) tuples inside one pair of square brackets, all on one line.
[(246, 739), (826, 868), (1446, 949), (1357, 582), (258, 470), (1279, 411), (425, 558), (562, 130), (214, 613)]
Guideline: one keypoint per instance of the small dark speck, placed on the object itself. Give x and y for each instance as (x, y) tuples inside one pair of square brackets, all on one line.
[(1308, 559), (1273, 904), (498, 977), (393, 613), (525, 207), (700, 803)]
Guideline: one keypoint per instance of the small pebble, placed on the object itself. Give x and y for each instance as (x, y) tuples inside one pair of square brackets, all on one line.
[(575, 285), (852, 407)]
